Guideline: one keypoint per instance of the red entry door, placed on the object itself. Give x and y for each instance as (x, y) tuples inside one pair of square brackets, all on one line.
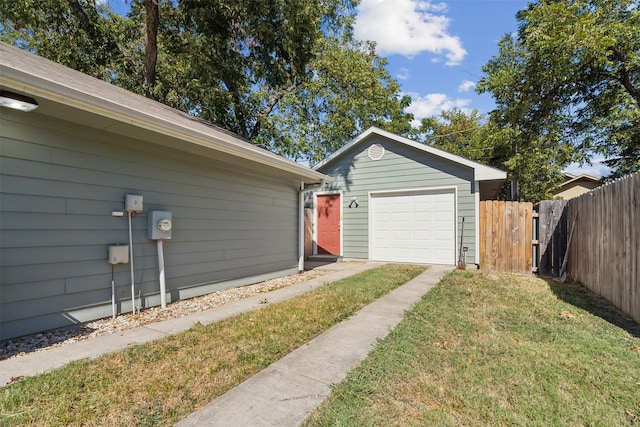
[(328, 225)]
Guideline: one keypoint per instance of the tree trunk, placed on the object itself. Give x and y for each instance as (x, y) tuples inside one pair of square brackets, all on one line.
[(151, 46)]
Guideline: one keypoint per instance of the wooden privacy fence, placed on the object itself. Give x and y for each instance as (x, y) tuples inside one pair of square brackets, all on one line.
[(593, 239), (506, 234), (604, 250)]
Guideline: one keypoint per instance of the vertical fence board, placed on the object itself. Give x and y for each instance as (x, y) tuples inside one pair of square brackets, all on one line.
[(511, 228), (491, 262), (528, 236), (544, 225), (482, 216), (499, 237)]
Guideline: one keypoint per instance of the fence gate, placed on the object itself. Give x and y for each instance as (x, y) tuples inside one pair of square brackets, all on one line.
[(506, 235), (552, 226)]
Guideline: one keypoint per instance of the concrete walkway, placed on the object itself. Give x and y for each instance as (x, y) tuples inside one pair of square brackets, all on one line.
[(285, 393), (43, 361)]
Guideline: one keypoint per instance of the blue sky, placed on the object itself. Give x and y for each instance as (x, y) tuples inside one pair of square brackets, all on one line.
[(436, 50)]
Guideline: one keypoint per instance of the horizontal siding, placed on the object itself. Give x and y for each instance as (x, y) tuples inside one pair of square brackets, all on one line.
[(232, 225), (402, 167)]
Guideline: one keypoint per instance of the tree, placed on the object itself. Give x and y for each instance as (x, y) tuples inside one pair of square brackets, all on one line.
[(348, 90), (475, 137), (77, 33), (464, 134), (569, 83), (286, 74)]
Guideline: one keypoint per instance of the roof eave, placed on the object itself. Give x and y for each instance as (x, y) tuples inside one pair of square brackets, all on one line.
[(209, 137)]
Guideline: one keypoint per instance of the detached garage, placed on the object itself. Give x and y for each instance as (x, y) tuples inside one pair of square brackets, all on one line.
[(398, 200)]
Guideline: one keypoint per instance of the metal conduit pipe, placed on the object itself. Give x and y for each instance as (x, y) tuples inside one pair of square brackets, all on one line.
[(133, 287), (163, 287)]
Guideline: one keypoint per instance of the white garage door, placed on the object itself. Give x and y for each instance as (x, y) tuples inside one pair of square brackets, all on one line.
[(413, 227)]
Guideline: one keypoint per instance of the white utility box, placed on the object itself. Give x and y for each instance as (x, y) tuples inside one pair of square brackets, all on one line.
[(133, 203), (118, 254)]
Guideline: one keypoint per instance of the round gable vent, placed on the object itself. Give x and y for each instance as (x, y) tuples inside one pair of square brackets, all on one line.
[(376, 152)]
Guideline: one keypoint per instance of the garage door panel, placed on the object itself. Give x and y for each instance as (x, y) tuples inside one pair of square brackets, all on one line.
[(402, 235), (414, 227), (401, 217), (441, 235)]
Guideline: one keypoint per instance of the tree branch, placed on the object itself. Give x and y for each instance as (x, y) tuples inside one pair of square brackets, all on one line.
[(90, 27), (277, 96), (625, 76), (274, 99)]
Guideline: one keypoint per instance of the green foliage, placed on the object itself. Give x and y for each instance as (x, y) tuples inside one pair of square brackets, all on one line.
[(76, 33), (467, 135), (570, 80), (348, 91), (535, 167), (286, 74)]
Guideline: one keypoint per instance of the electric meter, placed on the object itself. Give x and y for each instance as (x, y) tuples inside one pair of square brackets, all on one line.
[(160, 225), (164, 224)]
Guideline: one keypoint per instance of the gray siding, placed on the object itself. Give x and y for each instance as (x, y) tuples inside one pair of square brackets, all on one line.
[(60, 182), (402, 167)]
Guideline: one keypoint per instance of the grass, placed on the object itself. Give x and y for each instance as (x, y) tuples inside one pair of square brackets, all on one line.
[(484, 349), (162, 382)]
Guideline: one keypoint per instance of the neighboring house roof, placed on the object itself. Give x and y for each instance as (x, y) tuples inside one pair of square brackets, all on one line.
[(570, 179), (71, 95), (575, 185), (481, 172)]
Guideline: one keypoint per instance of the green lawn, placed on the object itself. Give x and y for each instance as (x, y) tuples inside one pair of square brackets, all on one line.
[(162, 382), (497, 349)]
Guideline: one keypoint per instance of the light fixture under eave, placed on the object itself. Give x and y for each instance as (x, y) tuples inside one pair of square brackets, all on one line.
[(17, 102)]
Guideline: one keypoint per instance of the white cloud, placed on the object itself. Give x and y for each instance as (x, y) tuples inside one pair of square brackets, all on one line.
[(403, 74), (597, 168), (432, 104), (466, 86), (408, 27)]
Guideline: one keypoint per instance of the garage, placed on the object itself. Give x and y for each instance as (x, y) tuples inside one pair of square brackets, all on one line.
[(405, 201), (413, 226)]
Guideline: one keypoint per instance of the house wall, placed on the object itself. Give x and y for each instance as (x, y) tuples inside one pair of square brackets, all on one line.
[(59, 184), (401, 168), (576, 189)]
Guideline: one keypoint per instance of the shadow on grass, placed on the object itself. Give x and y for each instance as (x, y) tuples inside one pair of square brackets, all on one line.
[(577, 295)]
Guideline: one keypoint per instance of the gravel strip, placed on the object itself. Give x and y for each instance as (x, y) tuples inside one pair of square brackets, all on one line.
[(20, 346)]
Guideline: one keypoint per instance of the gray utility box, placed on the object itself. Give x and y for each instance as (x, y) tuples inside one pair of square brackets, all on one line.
[(133, 203), (160, 225)]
